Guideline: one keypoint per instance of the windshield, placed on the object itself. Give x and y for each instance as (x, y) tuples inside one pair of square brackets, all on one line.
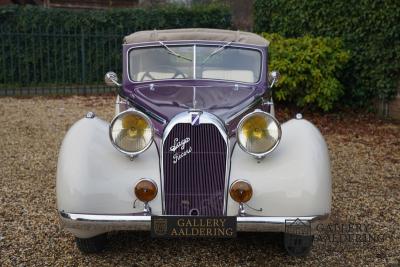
[(223, 62)]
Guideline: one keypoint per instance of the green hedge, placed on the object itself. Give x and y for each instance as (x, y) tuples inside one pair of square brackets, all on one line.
[(124, 20), (45, 47), (369, 28), (309, 68)]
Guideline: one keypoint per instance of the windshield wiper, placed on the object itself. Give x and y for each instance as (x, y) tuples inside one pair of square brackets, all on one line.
[(216, 51), (172, 52)]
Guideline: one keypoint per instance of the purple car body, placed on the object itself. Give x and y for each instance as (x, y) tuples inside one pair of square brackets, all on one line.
[(164, 99)]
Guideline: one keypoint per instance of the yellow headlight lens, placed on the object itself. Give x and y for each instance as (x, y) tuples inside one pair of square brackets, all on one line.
[(258, 133), (131, 132)]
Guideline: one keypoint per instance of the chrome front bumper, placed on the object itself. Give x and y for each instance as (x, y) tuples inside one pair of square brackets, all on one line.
[(142, 222)]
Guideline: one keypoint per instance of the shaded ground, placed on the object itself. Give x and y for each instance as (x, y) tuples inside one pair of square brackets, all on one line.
[(365, 154)]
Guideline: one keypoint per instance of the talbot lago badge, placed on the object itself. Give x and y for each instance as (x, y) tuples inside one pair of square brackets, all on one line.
[(181, 149)]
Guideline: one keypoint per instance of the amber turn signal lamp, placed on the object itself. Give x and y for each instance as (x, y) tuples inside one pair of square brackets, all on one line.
[(241, 191), (146, 190)]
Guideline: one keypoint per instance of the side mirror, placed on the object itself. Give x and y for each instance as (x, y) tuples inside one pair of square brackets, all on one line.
[(111, 79), (273, 78)]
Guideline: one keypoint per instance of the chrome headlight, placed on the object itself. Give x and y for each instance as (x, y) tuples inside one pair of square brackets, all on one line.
[(131, 132), (258, 133)]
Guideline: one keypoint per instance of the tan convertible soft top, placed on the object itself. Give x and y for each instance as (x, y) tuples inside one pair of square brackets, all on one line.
[(196, 34)]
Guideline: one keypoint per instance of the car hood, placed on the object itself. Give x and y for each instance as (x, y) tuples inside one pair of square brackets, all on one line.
[(223, 100)]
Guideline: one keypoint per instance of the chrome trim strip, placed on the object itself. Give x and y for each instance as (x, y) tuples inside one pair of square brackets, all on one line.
[(205, 117), (142, 222)]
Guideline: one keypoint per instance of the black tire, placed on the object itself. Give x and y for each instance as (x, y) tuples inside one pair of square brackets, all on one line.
[(92, 244), (298, 245)]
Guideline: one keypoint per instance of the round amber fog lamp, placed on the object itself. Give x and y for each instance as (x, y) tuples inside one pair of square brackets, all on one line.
[(241, 191), (146, 190)]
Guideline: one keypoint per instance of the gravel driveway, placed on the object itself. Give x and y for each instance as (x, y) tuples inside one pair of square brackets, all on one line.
[(365, 155)]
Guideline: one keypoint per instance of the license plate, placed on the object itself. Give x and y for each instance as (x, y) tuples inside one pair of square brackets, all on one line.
[(193, 226)]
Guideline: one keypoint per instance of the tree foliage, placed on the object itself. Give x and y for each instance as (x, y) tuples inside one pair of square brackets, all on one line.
[(309, 68)]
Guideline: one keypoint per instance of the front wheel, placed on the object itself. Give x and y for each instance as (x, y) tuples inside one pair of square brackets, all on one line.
[(92, 244)]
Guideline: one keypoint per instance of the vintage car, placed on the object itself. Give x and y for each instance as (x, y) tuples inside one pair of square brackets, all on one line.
[(194, 149)]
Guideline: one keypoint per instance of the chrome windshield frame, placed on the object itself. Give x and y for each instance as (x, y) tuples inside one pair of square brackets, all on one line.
[(196, 44)]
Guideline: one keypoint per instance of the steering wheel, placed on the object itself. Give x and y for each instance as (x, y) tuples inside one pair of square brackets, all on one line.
[(176, 72)]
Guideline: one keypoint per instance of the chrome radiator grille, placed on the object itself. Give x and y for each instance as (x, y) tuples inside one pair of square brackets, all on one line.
[(194, 168)]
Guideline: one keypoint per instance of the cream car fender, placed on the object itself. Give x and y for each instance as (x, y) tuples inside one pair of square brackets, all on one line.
[(93, 177), (293, 180)]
